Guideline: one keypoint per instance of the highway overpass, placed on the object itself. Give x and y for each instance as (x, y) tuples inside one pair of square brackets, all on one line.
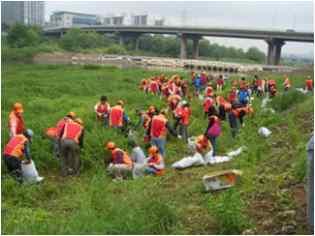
[(274, 39)]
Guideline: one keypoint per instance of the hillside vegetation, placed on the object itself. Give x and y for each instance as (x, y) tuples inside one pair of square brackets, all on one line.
[(271, 184)]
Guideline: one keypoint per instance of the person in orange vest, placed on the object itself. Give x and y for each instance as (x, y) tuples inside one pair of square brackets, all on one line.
[(221, 104), (158, 131), (59, 128), (120, 164), (102, 109), (71, 142), (16, 150), (286, 83), (155, 162), (173, 101), (202, 144), (309, 84), (184, 120), (16, 121), (117, 116), (208, 102)]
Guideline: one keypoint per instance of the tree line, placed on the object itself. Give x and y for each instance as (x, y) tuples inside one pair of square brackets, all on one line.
[(75, 40)]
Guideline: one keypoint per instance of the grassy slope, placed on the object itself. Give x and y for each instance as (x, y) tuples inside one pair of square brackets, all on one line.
[(173, 203)]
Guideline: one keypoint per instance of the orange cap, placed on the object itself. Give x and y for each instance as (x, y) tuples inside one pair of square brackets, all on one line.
[(151, 108), (72, 114), (153, 150), (18, 107), (110, 145)]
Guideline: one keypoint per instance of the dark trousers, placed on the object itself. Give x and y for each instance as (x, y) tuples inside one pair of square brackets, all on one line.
[(213, 143), (14, 167), (183, 131), (70, 157)]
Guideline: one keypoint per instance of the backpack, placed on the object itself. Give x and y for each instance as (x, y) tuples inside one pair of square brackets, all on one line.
[(243, 96), (214, 130)]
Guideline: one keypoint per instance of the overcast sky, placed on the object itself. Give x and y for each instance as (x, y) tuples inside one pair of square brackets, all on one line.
[(297, 15)]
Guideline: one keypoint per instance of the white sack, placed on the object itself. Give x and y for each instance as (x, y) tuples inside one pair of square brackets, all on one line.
[(195, 160), (304, 91), (30, 173), (263, 131), (236, 152)]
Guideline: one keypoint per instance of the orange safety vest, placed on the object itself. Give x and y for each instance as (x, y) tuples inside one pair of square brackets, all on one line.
[(60, 125), (102, 108), (72, 131), (209, 91), (207, 103), (158, 126), (232, 96), (15, 147), (116, 116), (309, 84), (186, 112), (155, 160), (202, 144), (121, 157), (20, 126), (287, 83)]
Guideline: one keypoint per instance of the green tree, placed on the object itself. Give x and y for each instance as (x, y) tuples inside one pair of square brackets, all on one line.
[(254, 54), (22, 36)]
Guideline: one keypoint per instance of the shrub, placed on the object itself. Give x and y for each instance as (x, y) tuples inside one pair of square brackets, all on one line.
[(287, 99), (22, 36), (116, 49), (228, 209)]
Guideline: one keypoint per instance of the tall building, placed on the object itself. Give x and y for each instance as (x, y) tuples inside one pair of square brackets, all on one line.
[(24, 12), (68, 19)]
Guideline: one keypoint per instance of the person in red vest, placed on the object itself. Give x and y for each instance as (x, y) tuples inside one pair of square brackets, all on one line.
[(158, 131), (309, 84), (286, 83), (16, 150), (209, 91), (59, 128), (184, 120), (220, 83), (154, 163), (202, 144), (208, 102), (120, 164), (232, 97), (117, 116), (102, 109), (16, 121), (154, 87), (71, 142)]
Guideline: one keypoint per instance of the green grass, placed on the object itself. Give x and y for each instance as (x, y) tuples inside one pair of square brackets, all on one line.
[(172, 204)]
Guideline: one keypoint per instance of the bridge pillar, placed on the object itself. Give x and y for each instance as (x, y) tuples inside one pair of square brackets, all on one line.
[(137, 43), (274, 51), (121, 40), (183, 46), (195, 49)]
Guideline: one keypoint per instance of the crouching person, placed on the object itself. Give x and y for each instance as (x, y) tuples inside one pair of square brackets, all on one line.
[(121, 164), (70, 145), (154, 163), (18, 149), (203, 147)]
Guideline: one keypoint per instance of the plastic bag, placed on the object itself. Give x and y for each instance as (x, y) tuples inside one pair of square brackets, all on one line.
[(236, 152), (30, 173), (263, 131), (264, 102), (195, 160), (304, 91)]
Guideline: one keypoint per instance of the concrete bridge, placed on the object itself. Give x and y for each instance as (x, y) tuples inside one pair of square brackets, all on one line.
[(274, 39)]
